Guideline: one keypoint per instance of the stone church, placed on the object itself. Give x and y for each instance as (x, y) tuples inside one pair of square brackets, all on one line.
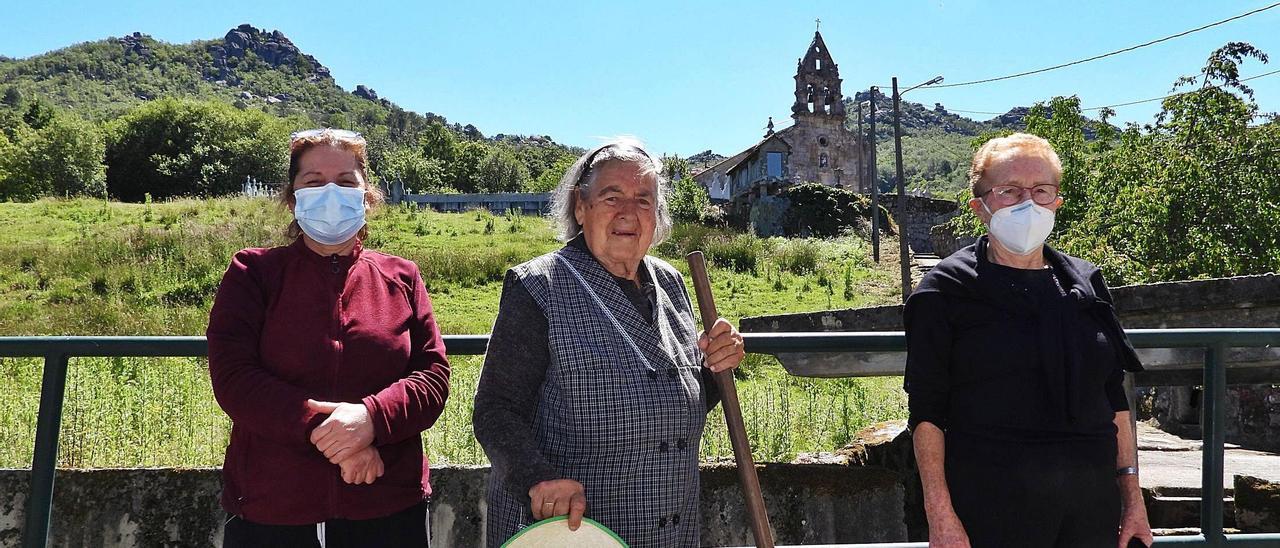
[(816, 147)]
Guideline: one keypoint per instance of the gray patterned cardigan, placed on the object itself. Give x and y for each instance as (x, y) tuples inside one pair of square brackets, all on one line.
[(620, 407)]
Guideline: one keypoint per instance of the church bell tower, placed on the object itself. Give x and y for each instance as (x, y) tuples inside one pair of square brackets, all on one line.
[(817, 84)]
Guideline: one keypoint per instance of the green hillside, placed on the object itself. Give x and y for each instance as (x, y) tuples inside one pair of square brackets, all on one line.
[(138, 93), (248, 67), (936, 144)]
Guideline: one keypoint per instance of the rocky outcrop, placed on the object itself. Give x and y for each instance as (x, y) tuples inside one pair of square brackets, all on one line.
[(1015, 120), (273, 48), (136, 43), (365, 93)]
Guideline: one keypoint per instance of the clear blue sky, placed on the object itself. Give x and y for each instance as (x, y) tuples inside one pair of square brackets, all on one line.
[(687, 77)]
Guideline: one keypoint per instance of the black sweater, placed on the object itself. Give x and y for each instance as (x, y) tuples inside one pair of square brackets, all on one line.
[(1016, 355)]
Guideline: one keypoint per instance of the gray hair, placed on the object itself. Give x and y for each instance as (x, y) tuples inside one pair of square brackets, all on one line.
[(564, 199)]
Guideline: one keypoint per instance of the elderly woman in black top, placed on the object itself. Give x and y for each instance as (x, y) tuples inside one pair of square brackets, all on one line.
[(596, 383), (1015, 364)]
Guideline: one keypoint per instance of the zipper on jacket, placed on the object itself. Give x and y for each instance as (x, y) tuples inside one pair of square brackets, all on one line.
[(335, 329)]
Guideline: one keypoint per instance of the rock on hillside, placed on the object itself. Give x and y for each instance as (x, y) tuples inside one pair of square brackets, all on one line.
[(271, 47), (703, 160), (916, 116)]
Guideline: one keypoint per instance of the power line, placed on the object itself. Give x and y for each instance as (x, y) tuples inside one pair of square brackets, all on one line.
[(1108, 54), (1177, 94), (976, 112), (1254, 77)]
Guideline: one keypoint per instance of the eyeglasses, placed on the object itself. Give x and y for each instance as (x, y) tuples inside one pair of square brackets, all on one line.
[(340, 134), (1007, 195)]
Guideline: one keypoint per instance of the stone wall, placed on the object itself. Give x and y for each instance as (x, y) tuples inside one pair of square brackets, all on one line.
[(922, 215), (1253, 410), (807, 504), (1257, 505)]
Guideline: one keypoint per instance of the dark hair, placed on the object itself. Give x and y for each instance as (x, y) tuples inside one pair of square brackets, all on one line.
[(349, 141)]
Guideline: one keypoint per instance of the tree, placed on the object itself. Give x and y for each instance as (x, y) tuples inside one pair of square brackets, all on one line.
[(183, 147), (38, 114), (439, 142), (1197, 194), (63, 157), (417, 172), (501, 171), (12, 97), (674, 167), (464, 170), (471, 133), (550, 178), (689, 200)]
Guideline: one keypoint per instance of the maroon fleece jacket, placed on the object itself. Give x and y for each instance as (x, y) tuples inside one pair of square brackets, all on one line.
[(289, 324)]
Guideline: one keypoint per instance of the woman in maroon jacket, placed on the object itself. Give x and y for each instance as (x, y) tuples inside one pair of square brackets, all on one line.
[(327, 358)]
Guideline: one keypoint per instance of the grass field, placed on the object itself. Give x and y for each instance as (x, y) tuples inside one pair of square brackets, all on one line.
[(85, 267)]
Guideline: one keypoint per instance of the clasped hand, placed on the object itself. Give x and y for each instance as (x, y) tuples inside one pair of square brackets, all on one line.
[(346, 439)]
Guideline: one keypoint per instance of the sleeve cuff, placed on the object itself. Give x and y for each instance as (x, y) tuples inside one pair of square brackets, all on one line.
[(522, 483), (915, 420), (381, 433)]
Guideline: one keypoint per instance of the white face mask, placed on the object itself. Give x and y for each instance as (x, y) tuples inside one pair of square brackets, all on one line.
[(1021, 228), (330, 214)]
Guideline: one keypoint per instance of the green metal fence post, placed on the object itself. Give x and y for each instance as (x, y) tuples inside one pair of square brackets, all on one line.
[(1213, 436), (35, 531)]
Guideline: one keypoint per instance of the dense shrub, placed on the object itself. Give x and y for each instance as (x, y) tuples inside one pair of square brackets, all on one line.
[(823, 211), (182, 147)]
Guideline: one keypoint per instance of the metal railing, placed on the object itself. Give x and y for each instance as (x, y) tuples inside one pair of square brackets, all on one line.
[(57, 352)]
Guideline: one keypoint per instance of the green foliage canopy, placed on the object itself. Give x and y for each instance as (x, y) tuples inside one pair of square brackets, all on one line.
[(822, 211), (689, 200), (500, 171), (55, 154), (1195, 195), (183, 147)]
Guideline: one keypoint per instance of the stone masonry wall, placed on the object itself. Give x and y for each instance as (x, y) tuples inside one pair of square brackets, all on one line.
[(808, 504), (922, 215)]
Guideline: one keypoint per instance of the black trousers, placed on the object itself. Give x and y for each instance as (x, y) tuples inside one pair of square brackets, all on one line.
[(1061, 494), (404, 528)]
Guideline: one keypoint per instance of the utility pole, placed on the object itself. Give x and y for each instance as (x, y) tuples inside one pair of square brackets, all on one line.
[(875, 186), (862, 157), (904, 264)]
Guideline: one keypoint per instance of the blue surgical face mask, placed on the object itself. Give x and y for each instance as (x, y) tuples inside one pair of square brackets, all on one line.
[(330, 214)]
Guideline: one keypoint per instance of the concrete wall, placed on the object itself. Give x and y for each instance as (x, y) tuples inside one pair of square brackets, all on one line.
[(166, 507)]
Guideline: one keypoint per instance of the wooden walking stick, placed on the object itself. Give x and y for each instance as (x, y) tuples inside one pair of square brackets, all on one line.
[(732, 411)]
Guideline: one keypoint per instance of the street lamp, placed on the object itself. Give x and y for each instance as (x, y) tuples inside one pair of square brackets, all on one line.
[(904, 266)]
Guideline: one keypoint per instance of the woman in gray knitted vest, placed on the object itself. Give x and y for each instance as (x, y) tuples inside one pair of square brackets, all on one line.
[(596, 383)]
